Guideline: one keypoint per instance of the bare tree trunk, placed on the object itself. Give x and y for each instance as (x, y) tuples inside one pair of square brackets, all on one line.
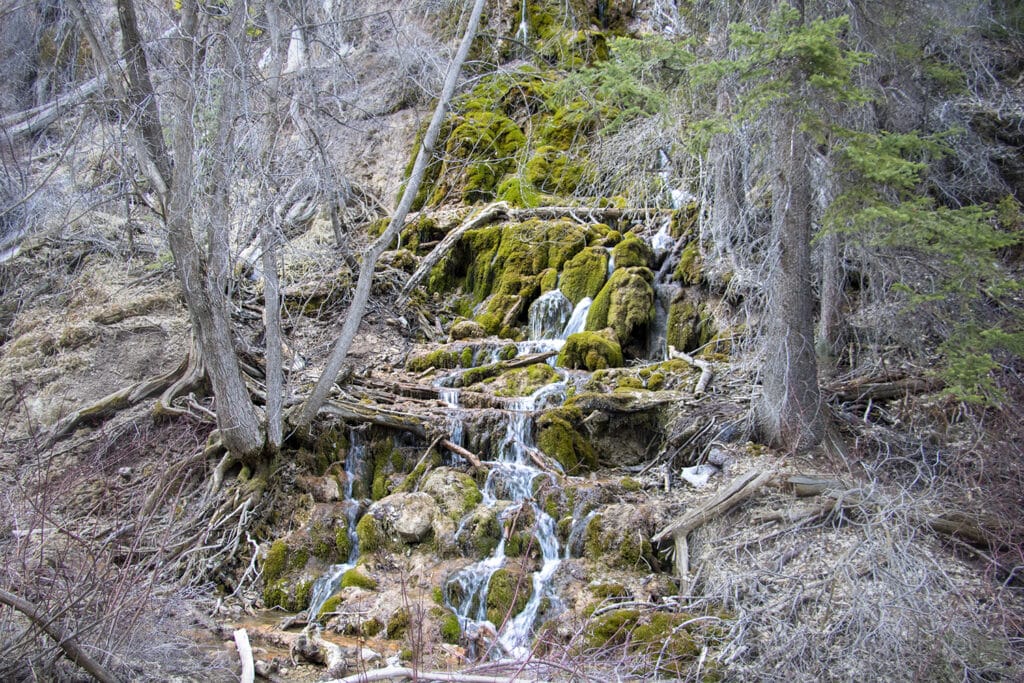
[(790, 409), (354, 315), (202, 275)]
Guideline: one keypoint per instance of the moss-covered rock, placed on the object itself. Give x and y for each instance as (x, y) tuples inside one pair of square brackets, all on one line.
[(584, 274), (466, 329), (356, 577), (556, 171), (456, 493), (626, 304), (619, 537), (591, 351), (275, 562), (524, 381), (688, 271), (450, 628), (507, 595), (558, 438), (632, 252), (480, 150), (689, 324)]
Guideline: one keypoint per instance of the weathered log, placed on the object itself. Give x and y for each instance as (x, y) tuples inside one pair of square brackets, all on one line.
[(875, 389), (803, 485), (460, 451), (358, 412), (741, 489)]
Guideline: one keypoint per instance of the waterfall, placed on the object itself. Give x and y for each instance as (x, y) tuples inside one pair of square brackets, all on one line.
[(511, 478), (523, 34), (578, 319), (548, 314), (325, 586)]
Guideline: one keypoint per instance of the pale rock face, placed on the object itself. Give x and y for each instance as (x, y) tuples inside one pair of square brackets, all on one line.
[(410, 515)]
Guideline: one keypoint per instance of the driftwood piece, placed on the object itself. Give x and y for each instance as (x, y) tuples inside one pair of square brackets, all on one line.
[(245, 655), (401, 672), (741, 489), (707, 370), (65, 640)]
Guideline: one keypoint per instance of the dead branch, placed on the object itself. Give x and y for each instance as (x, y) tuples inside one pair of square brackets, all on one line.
[(875, 389), (65, 641), (741, 489), (706, 369), (358, 412), (245, 654), (460, 451)]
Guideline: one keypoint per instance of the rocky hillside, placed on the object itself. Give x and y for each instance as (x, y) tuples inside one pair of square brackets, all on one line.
[(547, 455)]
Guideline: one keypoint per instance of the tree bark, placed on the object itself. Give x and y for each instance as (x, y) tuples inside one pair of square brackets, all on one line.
[(354, 315), (790, 409)]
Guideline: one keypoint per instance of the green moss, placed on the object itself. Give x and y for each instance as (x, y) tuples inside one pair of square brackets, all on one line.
[(275, 562), (519, 192), (303, 591), (590, 351), (688, 272), (556, 171), (507, 595), (371, 627), (626, 304), (629, 382), (558, 438), (607, 591), (298, 558), (632, 252), (548, 280), (371, 536), (684, 221), (656, 381), (689, 325), (525, 381), (584, 274), (438, 358), (398, 624), (611, 628), (481, 149), (355, 577), (629, 484), (275, 595), (330, 606), (451, 631)]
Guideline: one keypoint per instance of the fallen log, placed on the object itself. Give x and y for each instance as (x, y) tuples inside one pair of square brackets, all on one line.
[(874, 389), (245, 655), (359, 412), (741, 489), (460, 451)]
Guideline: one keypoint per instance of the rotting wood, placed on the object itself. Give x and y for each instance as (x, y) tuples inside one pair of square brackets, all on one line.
[(879, 389), (707, 370), (359, 412)]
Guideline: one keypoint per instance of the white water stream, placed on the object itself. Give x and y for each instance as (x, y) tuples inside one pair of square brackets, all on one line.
[(327, 584)]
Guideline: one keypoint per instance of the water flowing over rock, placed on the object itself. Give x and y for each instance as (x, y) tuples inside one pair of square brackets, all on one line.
[(548, 315)]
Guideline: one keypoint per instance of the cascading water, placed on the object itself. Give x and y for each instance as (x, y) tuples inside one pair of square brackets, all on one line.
[(511, 477), (324, 587), (548, 315), (523, 34)]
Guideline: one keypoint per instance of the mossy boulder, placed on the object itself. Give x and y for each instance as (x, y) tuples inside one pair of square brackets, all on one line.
[(405, 517), (356, 577), (688, 271), (556, 171), (481, 533), (619, 538), (523, 381), (632, 252), (591, 351), (689, 324), (584, 274), (466, 329), (626, 304), (455, 493), (558, 438), (480, 150), (507, 594)]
